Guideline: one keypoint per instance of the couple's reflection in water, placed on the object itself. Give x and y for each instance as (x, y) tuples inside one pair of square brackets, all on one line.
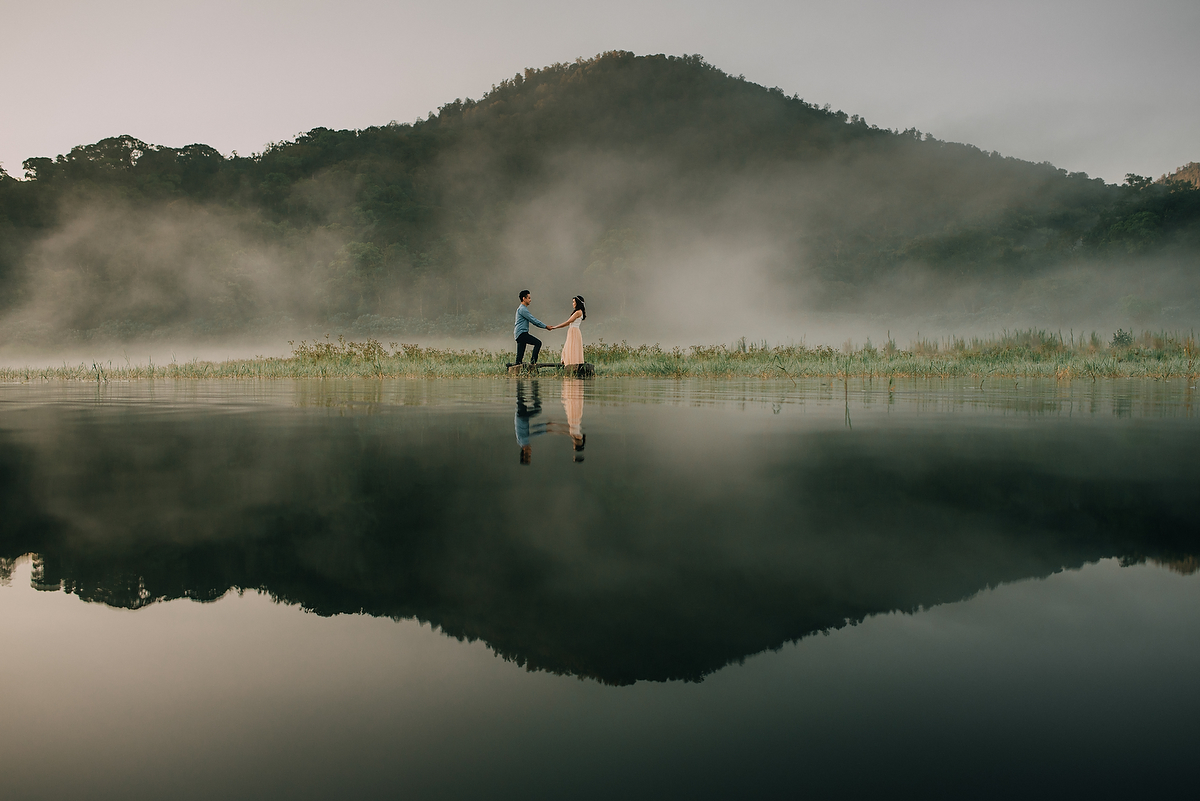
[(529, 407)]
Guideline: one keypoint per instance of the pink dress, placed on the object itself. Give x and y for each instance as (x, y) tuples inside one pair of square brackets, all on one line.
[(572, 352)]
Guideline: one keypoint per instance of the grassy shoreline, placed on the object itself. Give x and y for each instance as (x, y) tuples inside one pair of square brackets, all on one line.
[(1028, 354)]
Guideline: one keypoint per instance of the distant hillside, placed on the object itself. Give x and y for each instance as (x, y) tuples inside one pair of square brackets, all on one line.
[(1189, 173), (620, 177)]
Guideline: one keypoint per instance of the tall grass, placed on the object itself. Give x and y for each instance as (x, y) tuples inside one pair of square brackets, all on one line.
[(1031, 353)]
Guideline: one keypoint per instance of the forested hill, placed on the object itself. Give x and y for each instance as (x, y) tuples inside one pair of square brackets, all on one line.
[(601, 175)]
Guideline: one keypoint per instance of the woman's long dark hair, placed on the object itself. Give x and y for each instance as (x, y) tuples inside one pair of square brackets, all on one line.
[(579, 305)]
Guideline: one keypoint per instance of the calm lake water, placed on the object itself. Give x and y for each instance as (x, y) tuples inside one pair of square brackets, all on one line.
[(599, 589)]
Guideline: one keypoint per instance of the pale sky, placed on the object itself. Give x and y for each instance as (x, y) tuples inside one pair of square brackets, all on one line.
[(1102, 87)]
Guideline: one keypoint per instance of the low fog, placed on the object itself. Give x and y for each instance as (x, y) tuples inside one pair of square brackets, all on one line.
[(656, 261), (679, 271)]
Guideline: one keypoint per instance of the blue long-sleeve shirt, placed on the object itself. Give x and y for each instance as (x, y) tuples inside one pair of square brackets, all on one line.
[(524, 318)]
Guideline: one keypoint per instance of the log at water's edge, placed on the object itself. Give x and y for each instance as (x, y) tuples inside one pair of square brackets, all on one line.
[(585, 370)]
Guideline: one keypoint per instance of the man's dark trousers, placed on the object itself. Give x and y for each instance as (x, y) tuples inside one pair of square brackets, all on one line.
[(525, 339)]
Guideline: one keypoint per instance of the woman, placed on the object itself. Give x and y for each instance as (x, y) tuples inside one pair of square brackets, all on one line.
[(572, 352)]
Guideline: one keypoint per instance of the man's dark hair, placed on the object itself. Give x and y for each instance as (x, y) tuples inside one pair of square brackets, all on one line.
[(524, 292)]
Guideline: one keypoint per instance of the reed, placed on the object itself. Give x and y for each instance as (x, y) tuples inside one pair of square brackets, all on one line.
[(1019, 354)]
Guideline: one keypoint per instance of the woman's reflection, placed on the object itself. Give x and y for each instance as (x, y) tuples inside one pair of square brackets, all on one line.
[(572, 398)]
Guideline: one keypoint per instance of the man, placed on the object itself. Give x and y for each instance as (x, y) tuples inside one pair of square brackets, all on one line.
[(521, 328)]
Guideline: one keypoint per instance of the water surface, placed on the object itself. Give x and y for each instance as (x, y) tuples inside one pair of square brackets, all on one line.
[(548, 588)]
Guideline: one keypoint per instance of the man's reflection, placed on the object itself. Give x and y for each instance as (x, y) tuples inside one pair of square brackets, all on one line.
[(525, 413)]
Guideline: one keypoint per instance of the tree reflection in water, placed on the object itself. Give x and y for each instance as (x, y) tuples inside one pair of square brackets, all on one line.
[(691, 543)]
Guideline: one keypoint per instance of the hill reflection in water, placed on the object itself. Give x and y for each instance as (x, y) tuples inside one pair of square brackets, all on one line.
[(709, 522)]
